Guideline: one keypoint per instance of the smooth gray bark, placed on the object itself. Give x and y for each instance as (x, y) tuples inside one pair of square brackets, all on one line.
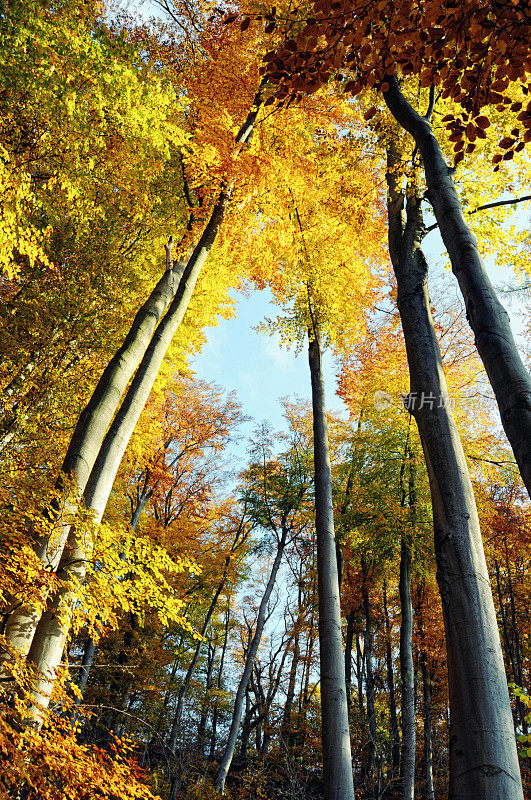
[(337, 761), (201, 728), (49, 639), (215, 713), (349, 639), (407, 675), (393, 720), (488, 319), (483, 758), (369, 771), (228, 754), (172, 741), (428, 747), (88, 436)]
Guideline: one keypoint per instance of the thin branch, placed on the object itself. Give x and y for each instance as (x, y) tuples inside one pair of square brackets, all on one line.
[(502, 203)]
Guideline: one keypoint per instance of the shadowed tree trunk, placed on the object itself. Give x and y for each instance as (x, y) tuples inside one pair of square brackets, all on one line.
[(483, 757), (337, 761), (487, 317), (369, 775), (88, 436), (393, 721), (226, 759), (215, 713), (407, 670), (49, 639)]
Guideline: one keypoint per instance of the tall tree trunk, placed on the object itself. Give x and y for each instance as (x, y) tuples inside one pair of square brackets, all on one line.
[(172, 741), (48, 642), (483, 758), (88, 436), (201, 728), (428, 747), (369, 767), (407, 669), (93, 457), (226, 759), (360, 658), (349, 638), (285, 728), (407, 674), (393, 721), (488, 319), (337, 761), (215, 713)]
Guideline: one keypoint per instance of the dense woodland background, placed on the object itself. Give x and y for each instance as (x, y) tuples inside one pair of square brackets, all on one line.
[(160, 632)]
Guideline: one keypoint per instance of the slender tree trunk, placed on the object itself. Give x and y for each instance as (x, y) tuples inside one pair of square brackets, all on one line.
[(172, 741), (488, 319), (88, 436), (201, 728), (393, 720), (428, 748), (483, 758), (407, 674), (48, 643), (369, 768), (285, 729), (215, 713), (349, 638), (246, 726), (337, 761), (226, 759), (360, 657)]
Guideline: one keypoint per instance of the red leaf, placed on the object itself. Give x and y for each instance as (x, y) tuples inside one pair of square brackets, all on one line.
[(245, 24), (482, 122)]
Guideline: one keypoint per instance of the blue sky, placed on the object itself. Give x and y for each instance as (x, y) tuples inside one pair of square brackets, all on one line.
[(239, 358), (252, 363)]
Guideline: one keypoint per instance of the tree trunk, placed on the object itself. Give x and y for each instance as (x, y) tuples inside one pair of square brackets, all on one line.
[(172, 741), (393, 721), (88, 436), (48, 643), (349, 638), (483, 758), (201, 728), (215, 713), (285, 729), (407, 675), (369, 767), (93, 462), (226, 759), (428, 749), (488, 319), (337, 762)]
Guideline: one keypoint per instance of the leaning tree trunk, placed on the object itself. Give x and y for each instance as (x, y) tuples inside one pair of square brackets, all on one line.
[(226, 759), (488, 319), (88, 436), (50, 636), (483, 757), (337, 761)]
